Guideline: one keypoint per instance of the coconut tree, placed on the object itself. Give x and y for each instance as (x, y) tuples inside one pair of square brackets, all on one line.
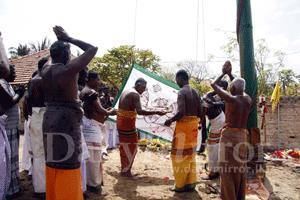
[(21, 50), (45, 44)]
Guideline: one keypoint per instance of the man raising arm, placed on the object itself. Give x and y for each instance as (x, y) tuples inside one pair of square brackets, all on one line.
[(232, 161), (62, 118)]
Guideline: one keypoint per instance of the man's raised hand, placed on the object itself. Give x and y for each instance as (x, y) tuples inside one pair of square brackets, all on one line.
[(61, 34), (227, 68)]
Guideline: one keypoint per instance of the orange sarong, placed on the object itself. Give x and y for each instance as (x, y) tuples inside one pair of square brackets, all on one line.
[(183, 153), (63, 184), (128, 138)]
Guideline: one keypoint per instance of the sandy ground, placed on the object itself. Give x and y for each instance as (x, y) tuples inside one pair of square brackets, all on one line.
[(282, 179)]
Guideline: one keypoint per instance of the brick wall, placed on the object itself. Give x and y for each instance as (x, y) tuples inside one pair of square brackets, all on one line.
[(289, 124)]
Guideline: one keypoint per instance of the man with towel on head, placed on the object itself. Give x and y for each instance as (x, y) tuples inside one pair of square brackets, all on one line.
[(184, 144), (63, 115), (233, 146), (93, 128), (129, 107)]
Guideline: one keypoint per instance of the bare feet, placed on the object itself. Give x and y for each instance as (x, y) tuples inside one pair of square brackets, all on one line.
[(129, 176)]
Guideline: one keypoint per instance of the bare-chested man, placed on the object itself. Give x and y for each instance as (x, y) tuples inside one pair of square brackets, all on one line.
[(184, 142), (36, 109), (93, 129), (233, 148), (62, 119), (129, 107), (214, 111)]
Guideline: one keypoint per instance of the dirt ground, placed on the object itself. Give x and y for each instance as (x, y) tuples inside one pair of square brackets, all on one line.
[(155, 170)]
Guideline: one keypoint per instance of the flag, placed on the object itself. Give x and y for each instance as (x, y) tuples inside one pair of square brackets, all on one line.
[(160, 95), (275, 99)]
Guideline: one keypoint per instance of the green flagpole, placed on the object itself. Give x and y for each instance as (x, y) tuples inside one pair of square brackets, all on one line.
[(247, 67)]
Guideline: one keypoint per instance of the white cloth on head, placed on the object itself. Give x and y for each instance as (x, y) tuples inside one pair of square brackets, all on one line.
[(4, 159), (37, 146)]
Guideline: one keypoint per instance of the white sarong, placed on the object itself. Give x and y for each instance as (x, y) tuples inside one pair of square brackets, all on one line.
[(113, 137), (5, 160), (92, 131), (27, 151), (37, 146), (84, 158), (213, 144)]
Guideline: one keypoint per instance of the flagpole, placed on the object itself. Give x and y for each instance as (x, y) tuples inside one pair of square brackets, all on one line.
[(278, 128)]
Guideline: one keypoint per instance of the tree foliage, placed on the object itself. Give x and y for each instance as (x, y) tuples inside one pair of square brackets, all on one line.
[(114, 66), (286, 77), (21, 50), (266, 70), (168, 74), (196, 70), (45, 44), (202, 88)]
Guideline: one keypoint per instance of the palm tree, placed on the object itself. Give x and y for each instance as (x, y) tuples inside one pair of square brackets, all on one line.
[(22, 50), (45, 44)]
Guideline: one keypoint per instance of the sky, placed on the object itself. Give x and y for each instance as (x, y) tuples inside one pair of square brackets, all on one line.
[(172, 29)]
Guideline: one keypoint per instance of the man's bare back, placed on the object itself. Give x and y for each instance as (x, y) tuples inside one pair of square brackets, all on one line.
[(238, 103), (237, 111), (189, 99), (63, 86), (127, 100), (60, 75), (92, 112), (36, 92)]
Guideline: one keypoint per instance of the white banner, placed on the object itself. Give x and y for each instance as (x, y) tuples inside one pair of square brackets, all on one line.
[(160, 95)]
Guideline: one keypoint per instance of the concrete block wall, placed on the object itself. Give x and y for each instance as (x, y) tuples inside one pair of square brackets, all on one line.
[(288, 134)]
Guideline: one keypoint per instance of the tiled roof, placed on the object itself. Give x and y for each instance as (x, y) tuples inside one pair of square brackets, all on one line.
[(26, 65)]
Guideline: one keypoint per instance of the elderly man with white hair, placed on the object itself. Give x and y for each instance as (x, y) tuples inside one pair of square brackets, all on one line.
[(233, 148)]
